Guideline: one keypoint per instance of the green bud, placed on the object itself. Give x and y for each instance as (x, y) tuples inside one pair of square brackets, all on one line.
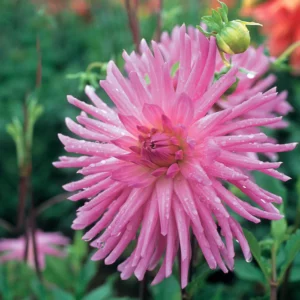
[(233, 38)]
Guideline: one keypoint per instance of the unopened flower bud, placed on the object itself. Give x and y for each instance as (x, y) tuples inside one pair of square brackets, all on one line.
[(233, 38)]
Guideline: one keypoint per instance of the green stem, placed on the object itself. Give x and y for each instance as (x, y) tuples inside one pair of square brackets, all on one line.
[(96, 64), (287, 52), (273, 281)]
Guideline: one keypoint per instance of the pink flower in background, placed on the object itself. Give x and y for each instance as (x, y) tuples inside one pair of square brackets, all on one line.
[(249, 84), (154, 169), (14, 249)]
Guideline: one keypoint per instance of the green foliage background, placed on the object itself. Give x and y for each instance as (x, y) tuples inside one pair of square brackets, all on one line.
[(68, 44)]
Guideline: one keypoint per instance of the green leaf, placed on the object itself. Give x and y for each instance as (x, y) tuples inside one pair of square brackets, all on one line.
[(295, 274), (59, 294), (169, 289), (59, 272), (279, 227), (211, 23), (256, 251), (247, 271), (78, 251), (291, 249), (38, 289), (217, 19), (223, 11), (199, 280), (101, 293), (85, 276)]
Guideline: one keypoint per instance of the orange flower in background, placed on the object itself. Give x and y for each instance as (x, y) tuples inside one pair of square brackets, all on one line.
[(79, 7), (280, 19)]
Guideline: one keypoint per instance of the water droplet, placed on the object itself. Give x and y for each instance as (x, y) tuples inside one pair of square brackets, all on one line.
[(248, 260), (101, 245)]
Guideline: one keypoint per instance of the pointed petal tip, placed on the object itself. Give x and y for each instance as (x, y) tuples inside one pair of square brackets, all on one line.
[(88, 89)]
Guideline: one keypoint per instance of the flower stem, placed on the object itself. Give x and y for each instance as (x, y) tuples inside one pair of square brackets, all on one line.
[(143, 288), (273, 282), (159, 21), (133, 22), (50, 202), (287, 52), (96, 64)]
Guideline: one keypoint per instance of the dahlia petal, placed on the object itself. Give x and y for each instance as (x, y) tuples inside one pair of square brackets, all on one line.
[(219, 170), (110, 193), (266, 147), (152, 113), (93, 190), (111, 117), (233, 202), (85, 133), (231, 127), (140, 88), (206, 124), (237, 140), (185, 59), (183, 229), (185, 196), (164, 190), (209, 69), (148, 228), (173, 170), (171, 240), (210, 226), (76, 162), (233, 159), (106, 129), (193, 171), (84, 183), (183, 109), (98, 113), (252, 103), (134, 202), (276, 174), (107, 217), (212, 95), (130, 123), (89, 148), (238, 234), (128, 235), (105, 165), (124, 142)]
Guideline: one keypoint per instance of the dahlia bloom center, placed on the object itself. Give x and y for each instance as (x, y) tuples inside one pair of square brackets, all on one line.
[(161, 148)]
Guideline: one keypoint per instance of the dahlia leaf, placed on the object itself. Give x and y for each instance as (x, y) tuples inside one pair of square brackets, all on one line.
[(86, 274), (256, 251), (103, 292), (246, 271), (291, 249), (169, 289), (59, 294), (279, 227)]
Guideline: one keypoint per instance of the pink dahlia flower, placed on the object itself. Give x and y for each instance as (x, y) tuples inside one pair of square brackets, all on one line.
[(14, 249), (156, 168)]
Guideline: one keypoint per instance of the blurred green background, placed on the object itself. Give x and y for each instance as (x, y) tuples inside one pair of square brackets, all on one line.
[(69, 42)]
